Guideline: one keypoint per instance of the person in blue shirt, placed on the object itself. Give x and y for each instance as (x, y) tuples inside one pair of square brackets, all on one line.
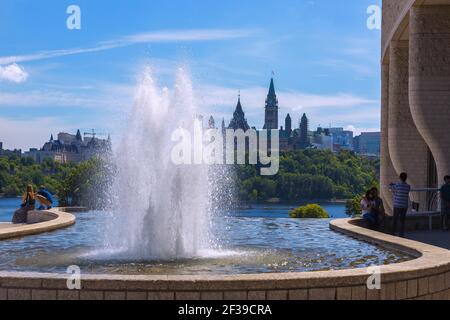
[(401, 192), (47, 195)]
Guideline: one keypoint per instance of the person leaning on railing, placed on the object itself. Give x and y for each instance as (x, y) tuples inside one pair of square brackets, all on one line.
[(445, 203), (401, 192)]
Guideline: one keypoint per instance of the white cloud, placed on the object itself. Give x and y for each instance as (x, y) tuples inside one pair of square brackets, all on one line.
[(13, 73), (192, 35), (188, 35)]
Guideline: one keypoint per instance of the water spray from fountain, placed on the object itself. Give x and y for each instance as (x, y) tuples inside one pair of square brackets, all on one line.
[(161, 210)]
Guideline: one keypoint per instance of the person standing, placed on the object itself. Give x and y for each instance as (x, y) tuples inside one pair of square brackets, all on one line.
[(401, 192), (445, 203)]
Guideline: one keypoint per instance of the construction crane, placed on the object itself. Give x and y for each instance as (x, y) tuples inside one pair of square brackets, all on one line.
[(93, 134)]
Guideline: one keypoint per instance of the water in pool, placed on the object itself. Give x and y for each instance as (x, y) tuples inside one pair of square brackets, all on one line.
[(258, 240)]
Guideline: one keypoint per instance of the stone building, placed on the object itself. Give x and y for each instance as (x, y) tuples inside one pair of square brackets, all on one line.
[(304, 128), (70, 148), (239, 121), (367, 143), (271, 114), (415, 113)]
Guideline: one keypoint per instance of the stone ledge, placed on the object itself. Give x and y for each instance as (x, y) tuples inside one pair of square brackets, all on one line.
[(42, 221)]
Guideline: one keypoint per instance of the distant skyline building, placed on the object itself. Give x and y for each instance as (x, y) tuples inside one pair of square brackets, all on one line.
[(368, 143), (239, 121), (73, 148), (322, 139), (304, 128), (271, 111), (288, 124), (342, 139), (70, 148)]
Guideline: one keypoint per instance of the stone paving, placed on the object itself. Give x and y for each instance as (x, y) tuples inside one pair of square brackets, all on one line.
[(436, 238)]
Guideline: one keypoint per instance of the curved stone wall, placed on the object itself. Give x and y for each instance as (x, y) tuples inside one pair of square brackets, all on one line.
[(39, 222), (407, 149), (429, 91), (395, 15), (387, 174), (427, 277)]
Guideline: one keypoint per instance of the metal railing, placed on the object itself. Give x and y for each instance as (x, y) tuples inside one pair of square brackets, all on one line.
[(425, 202)]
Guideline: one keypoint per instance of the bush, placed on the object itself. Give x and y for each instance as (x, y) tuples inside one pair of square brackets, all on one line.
[(311, 211), (353, 206)]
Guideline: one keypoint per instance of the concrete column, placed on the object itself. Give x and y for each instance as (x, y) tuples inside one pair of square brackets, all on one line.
[(387, 174), (407, 148), (429, 78)]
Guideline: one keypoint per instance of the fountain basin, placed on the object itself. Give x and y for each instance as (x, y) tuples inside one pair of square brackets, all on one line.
[(425, 277), (249, 245)]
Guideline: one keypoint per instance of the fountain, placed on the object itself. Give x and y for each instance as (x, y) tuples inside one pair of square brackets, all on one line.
[(169, 219), (160, 210)]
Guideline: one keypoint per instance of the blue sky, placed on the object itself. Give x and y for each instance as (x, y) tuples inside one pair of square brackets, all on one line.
[(325, 59)]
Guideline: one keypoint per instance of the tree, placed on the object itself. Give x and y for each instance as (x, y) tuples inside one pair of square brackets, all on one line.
[(311, 211), (310, 175), (86, 185)]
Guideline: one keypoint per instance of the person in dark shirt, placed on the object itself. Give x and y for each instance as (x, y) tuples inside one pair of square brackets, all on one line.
[(378, 207), (445, 203)]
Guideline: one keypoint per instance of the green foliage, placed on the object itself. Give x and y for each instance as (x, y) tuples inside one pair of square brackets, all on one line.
[(311, 211), (310, 174), (86, 185), (353, 206), (16, 173)]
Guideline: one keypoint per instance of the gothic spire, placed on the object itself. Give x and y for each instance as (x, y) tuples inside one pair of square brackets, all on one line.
[(239, 121), (239, 105), (79, 138), (271, 116), (272, 93)]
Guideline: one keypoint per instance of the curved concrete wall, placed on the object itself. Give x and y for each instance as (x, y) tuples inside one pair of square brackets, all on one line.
[(427, 277), (429, 90), (407, 149), (388, 173), (39, 222), (394, 14)]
